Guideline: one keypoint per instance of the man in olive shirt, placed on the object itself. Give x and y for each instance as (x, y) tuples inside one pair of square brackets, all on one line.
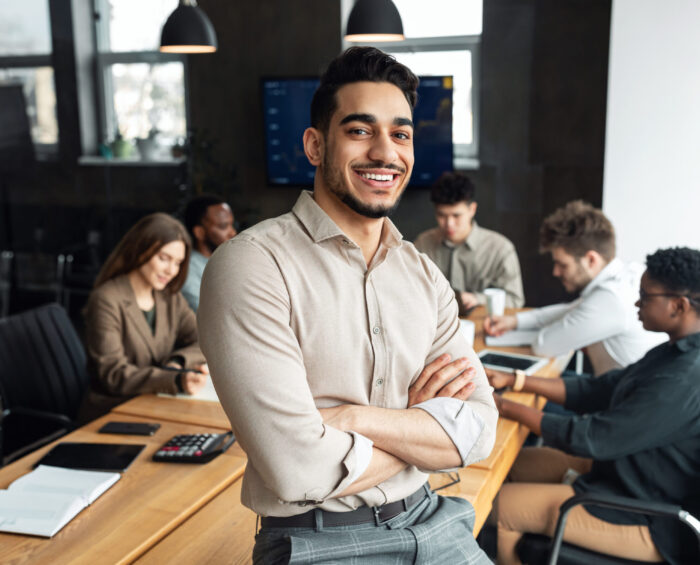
[(472, 258), (328, 339), (635, 432)]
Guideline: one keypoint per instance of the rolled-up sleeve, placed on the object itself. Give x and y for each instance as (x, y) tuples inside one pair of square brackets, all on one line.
[(470, 424), (258, 371)]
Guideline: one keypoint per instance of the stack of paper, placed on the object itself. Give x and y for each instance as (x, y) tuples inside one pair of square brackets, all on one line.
[(515, 338), (40, 503)]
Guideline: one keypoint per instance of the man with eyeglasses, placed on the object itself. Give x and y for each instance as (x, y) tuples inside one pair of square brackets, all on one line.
[(635, 432), (602, 320)]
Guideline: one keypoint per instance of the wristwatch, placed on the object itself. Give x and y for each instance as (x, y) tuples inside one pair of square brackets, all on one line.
[(519, 380)]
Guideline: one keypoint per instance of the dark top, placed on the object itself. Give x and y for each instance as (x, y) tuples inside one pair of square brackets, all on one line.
[(151, 318), (641, 427)]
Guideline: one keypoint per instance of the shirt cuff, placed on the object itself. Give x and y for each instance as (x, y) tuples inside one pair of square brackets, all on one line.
[(554, 430), (363, 455), (461, 424), (527, 320)]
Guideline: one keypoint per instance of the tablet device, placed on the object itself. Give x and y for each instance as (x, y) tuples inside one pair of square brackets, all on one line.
[(92, 456), (509, 362)]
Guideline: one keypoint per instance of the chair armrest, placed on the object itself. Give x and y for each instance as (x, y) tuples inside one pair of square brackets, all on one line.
[(58, 418), (651, 508)]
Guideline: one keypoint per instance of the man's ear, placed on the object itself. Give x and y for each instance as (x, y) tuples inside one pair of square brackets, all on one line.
[(199, 233), (313, 146), (472, 208), (593, 259)]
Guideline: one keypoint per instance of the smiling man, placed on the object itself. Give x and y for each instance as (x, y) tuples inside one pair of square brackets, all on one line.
[(472, 258), (603, 320), (336, 351)]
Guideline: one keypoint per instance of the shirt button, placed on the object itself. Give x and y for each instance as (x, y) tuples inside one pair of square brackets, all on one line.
[(380, 382), (376, 330)]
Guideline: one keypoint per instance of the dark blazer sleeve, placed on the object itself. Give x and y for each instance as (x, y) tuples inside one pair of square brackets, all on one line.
[(118, 362)]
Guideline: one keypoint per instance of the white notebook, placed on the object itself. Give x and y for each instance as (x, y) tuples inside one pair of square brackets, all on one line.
[(40, 503), (514, 338)]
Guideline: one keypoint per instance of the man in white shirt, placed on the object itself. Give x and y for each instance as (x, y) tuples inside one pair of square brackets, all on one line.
[(603, 320), (209, 220)]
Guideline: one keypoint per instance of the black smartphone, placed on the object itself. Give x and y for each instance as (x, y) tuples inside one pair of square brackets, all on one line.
[(129, 428)]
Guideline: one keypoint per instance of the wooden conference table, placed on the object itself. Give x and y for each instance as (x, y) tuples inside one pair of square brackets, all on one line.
[(163, 513)]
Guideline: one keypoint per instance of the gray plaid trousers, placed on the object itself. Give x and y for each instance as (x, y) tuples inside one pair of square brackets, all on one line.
[(436, 531)]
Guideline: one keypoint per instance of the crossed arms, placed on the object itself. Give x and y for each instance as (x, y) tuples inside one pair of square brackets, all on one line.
[(302, 447)]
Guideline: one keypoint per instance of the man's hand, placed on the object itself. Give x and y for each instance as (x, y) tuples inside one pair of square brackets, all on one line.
[(530, 417), (498, 325), (443, 378), (499, 379), (467, 300)]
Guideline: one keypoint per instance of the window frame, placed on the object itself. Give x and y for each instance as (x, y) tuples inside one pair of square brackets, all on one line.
[(43, 151), (104, 59)]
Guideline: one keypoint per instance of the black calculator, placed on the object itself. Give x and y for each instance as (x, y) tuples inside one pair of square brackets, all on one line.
[(194, 448)]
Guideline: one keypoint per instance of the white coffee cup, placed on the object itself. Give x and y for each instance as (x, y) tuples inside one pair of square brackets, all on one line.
[(467, 327), (495, 301)]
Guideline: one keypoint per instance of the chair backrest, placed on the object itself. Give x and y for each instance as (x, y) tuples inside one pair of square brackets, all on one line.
[(42, 362)]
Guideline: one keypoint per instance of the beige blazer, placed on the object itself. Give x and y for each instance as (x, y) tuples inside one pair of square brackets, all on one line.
[(124, 356)]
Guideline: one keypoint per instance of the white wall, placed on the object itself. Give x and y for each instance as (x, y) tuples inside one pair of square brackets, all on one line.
[(651, 187)]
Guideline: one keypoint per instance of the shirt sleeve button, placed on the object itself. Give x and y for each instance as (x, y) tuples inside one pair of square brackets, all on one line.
[(376, 330)]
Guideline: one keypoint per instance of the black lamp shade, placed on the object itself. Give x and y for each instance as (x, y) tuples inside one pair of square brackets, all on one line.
[(374, 20), (188, 30)]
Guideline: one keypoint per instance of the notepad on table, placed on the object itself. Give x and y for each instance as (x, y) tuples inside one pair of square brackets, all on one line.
[(41, 502), (514, 338)]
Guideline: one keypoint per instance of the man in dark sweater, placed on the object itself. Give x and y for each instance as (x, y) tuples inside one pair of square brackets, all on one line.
[(635, 432)]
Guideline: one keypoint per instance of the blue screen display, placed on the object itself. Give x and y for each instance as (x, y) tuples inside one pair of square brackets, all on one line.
[(286, 104)]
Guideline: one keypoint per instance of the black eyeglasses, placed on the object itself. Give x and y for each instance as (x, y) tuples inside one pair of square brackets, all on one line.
[(644, 296)]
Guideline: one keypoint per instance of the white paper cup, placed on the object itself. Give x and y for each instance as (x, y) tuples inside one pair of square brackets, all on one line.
[(467, 327), (495, 301)]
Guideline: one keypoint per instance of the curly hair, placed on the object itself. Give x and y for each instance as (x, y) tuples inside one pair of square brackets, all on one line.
[(452, 188), (359, 64), (677, 269), (578, 227)]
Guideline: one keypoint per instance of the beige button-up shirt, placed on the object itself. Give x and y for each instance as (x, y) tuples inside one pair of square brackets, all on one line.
[(486, 259), (291, 320)]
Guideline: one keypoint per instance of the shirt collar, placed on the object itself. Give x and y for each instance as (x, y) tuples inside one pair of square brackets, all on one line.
[(472, 240), (321, 227), (689, 342), (609, 271)]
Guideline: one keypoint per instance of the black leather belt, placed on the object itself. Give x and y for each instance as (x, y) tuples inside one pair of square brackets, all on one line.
[(362, 515)]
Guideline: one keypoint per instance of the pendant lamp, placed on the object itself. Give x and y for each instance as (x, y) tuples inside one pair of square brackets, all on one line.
[(374, 20), (188, 30)]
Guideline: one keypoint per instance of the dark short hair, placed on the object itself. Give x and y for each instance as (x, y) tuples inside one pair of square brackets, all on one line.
[(452, 188), (678, 270), (358, 64), (196, 209), (143, 240), (578, 227)]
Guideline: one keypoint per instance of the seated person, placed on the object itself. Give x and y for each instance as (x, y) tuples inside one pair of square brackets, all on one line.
[(209, 220), (472, 258), (635, 433), (603, 319), (139, 328)]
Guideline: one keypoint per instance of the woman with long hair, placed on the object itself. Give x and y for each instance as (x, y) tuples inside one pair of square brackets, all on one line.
[(141, 334)]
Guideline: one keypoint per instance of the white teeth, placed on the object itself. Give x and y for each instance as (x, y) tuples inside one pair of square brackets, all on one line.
[(372, 176)]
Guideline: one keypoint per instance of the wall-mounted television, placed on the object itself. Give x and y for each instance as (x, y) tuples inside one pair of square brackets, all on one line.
[(286, 103)]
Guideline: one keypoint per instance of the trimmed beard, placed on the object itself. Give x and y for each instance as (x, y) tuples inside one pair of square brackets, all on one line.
[(334, 181)]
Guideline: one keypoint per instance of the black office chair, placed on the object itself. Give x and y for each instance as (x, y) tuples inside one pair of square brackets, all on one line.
[(537, 549), (42, 379)]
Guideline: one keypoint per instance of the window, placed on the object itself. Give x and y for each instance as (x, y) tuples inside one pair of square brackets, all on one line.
[(25, 58), (140, 88), (443, 40)]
